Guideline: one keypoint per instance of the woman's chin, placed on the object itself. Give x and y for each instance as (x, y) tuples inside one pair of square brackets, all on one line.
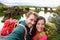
[(40, 30)]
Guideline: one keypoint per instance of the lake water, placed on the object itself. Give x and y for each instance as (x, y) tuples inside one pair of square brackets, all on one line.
[(1, 25)]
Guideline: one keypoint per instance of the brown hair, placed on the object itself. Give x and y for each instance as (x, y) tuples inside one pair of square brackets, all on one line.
[(32, 13), (34, 28)]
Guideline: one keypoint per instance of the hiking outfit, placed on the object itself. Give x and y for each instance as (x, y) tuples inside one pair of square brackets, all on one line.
[(40, 36), (18, 32)]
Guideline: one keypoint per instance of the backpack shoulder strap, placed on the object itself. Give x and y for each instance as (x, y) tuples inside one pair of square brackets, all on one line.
[(25, 30)]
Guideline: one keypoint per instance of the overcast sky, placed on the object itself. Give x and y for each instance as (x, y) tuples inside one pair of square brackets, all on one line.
[(49, 3)]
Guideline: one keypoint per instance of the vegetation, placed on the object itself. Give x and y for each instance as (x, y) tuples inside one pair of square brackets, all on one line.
[(52, 27), (58, 10), (56, 21)]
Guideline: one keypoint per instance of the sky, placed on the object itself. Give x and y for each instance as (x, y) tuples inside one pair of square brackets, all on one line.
[(41, 3)]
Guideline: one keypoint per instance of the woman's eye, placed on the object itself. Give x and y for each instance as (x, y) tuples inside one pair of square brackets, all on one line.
[(38, 23), (42, 24)]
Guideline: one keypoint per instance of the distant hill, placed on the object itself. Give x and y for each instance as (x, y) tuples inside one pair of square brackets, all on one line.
[(1, 4)]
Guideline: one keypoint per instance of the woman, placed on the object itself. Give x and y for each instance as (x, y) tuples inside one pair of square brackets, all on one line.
[(38, 31)]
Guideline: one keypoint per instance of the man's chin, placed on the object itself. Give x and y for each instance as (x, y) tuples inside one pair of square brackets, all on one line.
[(30, 26)]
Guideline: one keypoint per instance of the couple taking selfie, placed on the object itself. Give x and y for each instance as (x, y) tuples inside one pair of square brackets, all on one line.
[(32, 28)]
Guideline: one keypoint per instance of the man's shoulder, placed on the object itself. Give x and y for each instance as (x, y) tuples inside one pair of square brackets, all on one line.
[(17, 33), (19, 29), (22, 21)]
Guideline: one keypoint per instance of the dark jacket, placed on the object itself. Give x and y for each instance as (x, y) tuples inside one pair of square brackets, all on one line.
[(18, 33)]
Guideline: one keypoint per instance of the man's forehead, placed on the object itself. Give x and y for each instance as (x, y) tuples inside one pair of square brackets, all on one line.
[(32, 15)]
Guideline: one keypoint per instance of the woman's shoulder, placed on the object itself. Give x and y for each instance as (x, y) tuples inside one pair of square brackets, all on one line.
[(43, 37)]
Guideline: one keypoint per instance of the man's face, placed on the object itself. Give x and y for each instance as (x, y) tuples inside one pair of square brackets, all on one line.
[(30, 21)]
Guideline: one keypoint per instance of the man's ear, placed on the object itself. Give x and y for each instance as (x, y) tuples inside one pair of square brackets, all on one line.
[(26, 17)]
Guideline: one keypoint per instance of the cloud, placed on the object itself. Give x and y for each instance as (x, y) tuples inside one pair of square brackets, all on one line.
[(49, 3)]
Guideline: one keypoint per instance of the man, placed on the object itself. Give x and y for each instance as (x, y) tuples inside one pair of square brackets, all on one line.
[(18, 32)]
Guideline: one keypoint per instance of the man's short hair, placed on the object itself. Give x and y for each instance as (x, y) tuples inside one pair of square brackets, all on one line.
[(32, 13)]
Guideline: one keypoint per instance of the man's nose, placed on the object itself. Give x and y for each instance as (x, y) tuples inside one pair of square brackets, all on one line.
[(33, 22)]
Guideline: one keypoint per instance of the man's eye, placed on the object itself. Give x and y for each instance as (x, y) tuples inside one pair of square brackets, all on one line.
[(31, 19)]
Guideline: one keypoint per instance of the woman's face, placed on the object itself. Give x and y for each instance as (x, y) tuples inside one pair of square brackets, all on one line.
[(40, 25)]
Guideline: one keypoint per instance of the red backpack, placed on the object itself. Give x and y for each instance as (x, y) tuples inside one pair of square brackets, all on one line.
[(8, 27)]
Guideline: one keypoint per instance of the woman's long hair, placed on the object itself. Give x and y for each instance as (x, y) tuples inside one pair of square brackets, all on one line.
[(33, 32)]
